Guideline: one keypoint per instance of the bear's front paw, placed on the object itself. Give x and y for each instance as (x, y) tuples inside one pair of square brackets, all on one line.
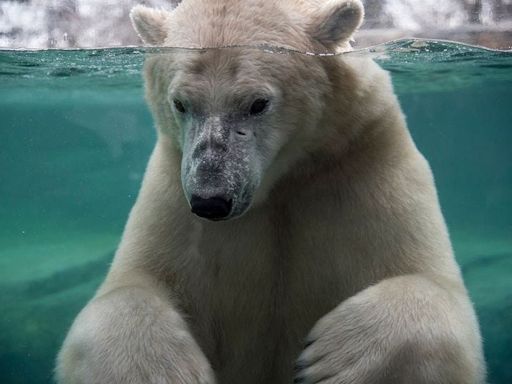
[(343, 347), (400, 331), (131, 337), (364, 340)]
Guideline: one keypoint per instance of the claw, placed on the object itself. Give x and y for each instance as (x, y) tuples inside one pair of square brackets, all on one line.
[(299, 366)]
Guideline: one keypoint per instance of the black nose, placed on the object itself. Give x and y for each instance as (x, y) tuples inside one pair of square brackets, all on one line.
[(212, 208)]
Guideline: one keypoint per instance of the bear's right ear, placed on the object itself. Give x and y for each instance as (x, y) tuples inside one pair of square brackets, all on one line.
[(150, 24)]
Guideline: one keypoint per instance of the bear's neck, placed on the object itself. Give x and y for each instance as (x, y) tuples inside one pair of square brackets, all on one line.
[(377, 147)]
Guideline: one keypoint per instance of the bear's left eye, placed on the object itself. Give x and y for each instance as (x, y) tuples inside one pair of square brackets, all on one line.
[(259, 106)]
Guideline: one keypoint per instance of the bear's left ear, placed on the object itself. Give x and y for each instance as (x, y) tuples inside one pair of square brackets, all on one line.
[(150, 24), (336, 21)]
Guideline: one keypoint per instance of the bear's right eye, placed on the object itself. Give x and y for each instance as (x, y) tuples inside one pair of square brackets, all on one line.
[(179, 106)]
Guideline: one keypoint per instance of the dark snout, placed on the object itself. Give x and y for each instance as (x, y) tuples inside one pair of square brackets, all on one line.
[(212, 208), (216, 170)]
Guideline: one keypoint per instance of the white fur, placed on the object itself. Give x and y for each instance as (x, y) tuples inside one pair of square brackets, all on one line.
[(345, 245)]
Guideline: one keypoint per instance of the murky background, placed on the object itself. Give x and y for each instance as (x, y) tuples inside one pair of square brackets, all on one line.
[(75, 136)]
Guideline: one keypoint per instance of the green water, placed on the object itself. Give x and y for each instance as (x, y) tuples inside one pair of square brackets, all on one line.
[(75, 136)]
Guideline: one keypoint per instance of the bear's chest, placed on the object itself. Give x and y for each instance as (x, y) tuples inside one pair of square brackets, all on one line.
[(251, 299)]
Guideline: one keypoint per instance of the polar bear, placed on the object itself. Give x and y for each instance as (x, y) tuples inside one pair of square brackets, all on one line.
[(287, 228)]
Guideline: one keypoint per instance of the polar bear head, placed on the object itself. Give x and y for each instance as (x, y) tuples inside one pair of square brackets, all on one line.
[(239, 116)]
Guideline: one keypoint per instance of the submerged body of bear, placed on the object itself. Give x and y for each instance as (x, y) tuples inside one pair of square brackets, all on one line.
[(338, 267)]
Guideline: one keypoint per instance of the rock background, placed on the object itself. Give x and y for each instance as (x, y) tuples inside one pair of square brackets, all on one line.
[(104, 23)]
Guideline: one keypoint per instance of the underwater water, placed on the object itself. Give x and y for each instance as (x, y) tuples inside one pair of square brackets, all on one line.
[(75, 136)]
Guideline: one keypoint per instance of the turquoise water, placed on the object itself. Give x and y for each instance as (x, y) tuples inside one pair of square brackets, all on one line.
[(75, 136)]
